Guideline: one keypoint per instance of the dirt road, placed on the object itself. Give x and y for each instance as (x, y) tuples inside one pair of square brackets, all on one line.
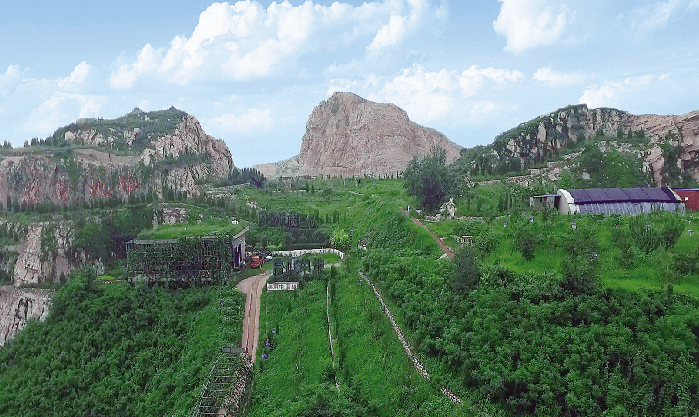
[(252, 287)]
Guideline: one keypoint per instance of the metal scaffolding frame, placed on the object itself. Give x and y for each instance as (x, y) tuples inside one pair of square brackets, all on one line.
[(226, 386)]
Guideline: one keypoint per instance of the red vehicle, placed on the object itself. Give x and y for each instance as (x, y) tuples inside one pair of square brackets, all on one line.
[(256, 261)]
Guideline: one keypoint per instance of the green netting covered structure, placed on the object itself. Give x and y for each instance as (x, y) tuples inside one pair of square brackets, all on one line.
[(190, 260)]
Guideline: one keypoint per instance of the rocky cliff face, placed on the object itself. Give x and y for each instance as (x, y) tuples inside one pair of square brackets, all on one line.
[(347, 135), (534, 140), (19, 305), (189, 138), (173, 158)]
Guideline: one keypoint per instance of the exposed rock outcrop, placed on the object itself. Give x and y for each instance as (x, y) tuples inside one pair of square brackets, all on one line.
[(285, 168), (534, 140), (19, 305), (42, 255), (174, 158), (189, 138), (347, 136)]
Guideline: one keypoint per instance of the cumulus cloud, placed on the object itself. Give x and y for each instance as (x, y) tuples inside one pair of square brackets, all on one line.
[(245, 40), (433, 95), (482, 110), (604, 95), (127, 74), (557, 78), (473, 79), (423, 94), (530, 23), (42, 105), (76, 77), (398, 25), (389, 34), (60, 109), (252, 119)]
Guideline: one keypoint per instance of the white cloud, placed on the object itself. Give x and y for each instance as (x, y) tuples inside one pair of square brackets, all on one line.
[(557, 78), (433, 95), (482, 110), (423, 94), (42, 105), (144, 104), (10, 77), (656, 15), (126, 75), (61, 109), (473, 79), (252, 119), (76, 77), (531, 23), (399, 25), (244, 40), (389, 34), (604, 95)]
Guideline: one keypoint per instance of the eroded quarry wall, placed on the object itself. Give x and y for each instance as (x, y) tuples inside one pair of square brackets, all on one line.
[(17, 306)]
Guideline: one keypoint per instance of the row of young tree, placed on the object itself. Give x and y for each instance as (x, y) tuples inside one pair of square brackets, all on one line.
[(555, 343)]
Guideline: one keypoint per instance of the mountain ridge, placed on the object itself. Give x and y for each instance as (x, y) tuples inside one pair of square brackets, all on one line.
[(669, 144)]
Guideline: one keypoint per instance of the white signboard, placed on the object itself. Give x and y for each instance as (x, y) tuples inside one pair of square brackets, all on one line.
[(282, 286)]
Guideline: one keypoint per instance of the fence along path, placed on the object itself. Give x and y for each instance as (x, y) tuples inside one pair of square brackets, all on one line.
[(419, 367)]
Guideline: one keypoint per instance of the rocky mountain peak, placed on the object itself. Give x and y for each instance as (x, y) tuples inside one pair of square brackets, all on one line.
[(347, 135)]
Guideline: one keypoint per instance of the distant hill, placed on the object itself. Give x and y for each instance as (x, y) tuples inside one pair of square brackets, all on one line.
[(347, 136), (666, 146), (100, 159)]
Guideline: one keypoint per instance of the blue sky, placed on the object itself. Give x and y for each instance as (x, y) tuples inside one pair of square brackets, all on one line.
[(252, 71)]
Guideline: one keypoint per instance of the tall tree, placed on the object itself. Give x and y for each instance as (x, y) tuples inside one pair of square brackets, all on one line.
[(429, 178)]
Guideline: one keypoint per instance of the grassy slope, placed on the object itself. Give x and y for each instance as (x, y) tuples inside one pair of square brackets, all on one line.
[(375, 366), (208, 228), (648, 271)]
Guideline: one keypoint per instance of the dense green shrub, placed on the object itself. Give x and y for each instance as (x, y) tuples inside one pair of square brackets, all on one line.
[(117, 350), (467, 273), (646, 237)]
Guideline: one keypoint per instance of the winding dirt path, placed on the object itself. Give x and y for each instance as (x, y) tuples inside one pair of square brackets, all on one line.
[(441, 244), (252, 287)]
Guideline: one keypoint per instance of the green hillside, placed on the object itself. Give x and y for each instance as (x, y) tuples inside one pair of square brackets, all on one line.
[(537, 318)]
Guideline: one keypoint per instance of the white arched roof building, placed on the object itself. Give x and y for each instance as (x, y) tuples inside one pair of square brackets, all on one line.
[(618, 200)]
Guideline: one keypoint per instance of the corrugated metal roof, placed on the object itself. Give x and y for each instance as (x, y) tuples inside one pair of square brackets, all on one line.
[(610, 195)]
